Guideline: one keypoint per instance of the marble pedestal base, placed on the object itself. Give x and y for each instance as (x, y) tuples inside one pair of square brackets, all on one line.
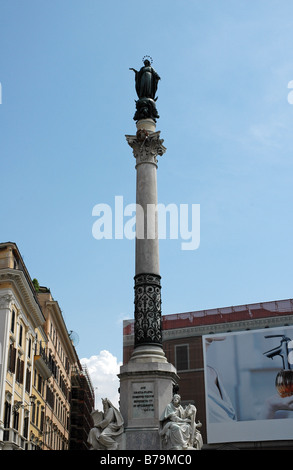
[(146, 388)]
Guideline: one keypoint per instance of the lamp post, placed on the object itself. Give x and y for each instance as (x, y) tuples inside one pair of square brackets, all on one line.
[(19, 404)]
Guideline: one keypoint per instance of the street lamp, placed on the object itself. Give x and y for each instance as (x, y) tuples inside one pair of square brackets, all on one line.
[(19, 404)]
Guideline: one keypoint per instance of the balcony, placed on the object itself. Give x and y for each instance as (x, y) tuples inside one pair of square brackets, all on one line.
[(42, 364), (12, 439)]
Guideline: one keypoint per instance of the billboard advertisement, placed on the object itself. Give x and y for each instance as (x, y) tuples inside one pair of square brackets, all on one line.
[(249, 385)]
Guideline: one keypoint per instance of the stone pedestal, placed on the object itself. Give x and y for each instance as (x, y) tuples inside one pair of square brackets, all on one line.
[(146, 388)]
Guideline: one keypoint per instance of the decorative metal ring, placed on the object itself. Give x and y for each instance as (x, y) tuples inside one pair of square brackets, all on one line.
[(147, 57)]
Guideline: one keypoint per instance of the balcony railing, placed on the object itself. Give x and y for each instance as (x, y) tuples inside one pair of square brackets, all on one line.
[(42, 362)]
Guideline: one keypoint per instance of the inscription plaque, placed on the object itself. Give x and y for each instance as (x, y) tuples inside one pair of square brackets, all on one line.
[(143, 400)]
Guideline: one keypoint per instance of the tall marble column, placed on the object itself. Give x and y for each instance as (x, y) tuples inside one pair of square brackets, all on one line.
[(147, 380), (147, 145)]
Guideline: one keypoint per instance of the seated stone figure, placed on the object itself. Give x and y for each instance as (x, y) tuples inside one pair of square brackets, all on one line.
[(108, 428), (178, 428)]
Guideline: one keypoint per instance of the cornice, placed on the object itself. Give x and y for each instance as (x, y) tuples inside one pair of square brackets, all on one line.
[(254, 324), (214, 328), (24, 293)]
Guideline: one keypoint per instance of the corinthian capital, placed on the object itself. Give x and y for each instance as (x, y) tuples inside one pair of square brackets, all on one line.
[(5, 300), (146, 146)]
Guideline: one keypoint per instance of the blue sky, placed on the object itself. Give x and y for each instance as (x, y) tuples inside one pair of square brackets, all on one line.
[(67, 103)]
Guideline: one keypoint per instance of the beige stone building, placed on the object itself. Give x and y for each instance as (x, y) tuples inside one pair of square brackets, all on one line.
[(62, 358), (20, 318), (37, 357)]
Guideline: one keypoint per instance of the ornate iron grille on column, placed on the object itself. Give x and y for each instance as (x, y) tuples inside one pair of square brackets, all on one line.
[(148, 327)]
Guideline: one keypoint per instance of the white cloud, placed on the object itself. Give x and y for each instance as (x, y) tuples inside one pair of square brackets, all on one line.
[(103, 370)]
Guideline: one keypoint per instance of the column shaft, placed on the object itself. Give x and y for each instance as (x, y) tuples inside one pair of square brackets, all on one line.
[(146, 146)]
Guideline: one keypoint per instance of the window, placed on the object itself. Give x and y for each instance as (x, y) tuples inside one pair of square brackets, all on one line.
[(33, 417), (25, 426), (12, 325), (12, 358), (15, 420), (40, 383), (37, 414), (19, 371), (7, 414), (182, 357), (50, 397), (28, 381), (20, 335), (42, 420), (67, 365)]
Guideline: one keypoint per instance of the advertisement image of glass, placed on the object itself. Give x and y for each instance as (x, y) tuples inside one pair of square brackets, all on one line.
[(249, 385)]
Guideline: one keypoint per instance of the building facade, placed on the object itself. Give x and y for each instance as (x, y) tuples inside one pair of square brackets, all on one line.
[(38, 361), (20, 317), (183, 340), (41, 374), (62, 358), (82, 406)]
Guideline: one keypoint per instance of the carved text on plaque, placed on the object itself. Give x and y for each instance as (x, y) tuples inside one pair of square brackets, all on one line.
[(143, 400)]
